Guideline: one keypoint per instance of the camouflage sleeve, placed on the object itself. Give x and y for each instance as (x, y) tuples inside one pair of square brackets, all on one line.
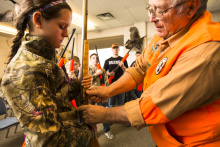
[(105, 76), (92, 72), (33, 98), (74, 89), (38, 92)]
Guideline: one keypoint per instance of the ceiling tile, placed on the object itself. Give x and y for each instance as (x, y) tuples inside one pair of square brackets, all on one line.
[(139, 13)]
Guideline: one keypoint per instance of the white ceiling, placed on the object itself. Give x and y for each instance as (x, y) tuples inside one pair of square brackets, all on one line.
[(126, 12)]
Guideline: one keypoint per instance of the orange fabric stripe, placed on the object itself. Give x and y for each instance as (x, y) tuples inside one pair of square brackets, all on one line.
[(151, 113), (187, 129), (194, 128)]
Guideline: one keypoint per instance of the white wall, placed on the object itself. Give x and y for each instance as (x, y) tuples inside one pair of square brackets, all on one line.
[(216, 16), (5, 43), (142, 27), (103, 53)]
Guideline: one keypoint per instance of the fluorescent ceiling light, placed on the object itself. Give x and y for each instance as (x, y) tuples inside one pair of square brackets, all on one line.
[(78, 20), (8, 30)]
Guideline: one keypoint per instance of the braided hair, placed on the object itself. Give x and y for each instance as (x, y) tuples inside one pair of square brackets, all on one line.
[(23, 20)]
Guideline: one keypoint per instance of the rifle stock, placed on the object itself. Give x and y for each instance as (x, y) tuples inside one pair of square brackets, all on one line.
[(71, 64), (110, 79), (60, 64)]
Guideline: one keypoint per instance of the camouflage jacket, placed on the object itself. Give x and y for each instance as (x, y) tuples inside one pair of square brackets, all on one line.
[(39, 94), (96, 80)]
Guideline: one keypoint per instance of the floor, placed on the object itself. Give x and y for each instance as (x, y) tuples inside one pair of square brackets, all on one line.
[(124, 137)]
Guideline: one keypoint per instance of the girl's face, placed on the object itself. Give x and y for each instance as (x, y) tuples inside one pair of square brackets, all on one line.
[(55, 30)]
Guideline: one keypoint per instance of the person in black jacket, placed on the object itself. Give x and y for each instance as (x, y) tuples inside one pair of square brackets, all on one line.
[(110, 64)]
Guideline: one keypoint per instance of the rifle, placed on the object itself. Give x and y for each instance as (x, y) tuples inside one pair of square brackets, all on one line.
[(72, 60), (61, 60), (98, 65), (123, 60), (84, 71), (116, 68)]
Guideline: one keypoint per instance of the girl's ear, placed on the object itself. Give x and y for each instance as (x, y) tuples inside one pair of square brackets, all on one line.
[(37, 19)]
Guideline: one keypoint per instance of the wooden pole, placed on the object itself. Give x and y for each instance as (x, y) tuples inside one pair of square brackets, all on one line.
[(85, 54)]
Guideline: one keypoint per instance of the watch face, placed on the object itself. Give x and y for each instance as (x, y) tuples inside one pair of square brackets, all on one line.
[(160, 65)]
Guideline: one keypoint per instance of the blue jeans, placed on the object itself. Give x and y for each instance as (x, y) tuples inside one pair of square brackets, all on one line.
[(120, 99), (138, 93), (106, 127)]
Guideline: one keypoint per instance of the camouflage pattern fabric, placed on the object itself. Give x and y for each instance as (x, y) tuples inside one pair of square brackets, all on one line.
[(96, 80), (39, 94)]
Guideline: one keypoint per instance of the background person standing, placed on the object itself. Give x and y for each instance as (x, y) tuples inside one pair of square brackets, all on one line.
[(110, 64), (137, 90), (98, 82)]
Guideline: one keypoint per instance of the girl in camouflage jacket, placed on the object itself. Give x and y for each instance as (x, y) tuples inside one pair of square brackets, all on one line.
[(35, 87)]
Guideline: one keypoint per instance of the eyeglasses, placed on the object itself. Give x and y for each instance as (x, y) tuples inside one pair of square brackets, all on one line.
[(160, 14)]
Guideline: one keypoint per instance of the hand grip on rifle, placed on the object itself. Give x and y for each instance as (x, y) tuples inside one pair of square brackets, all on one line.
[(61, 62), (125, 57), (99, 67), (71, 64), (110, 79)]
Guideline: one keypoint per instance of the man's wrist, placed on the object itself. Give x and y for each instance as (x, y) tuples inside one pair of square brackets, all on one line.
[(109, 116), (123, 67)]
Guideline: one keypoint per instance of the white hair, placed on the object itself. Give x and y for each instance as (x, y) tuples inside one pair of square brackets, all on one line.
[(202, 7)]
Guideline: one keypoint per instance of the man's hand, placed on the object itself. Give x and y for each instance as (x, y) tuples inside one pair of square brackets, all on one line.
[(87, 82), (92, 114), (98, 93)]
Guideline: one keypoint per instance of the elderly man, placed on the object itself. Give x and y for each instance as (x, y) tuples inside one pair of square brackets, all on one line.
[(180, 69)]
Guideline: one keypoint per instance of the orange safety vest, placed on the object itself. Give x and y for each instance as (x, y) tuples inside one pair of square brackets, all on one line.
[(203, 30)]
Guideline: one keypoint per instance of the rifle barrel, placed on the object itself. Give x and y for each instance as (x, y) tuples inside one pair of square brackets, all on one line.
[(72, 49), (61, 56), (97, 54)]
